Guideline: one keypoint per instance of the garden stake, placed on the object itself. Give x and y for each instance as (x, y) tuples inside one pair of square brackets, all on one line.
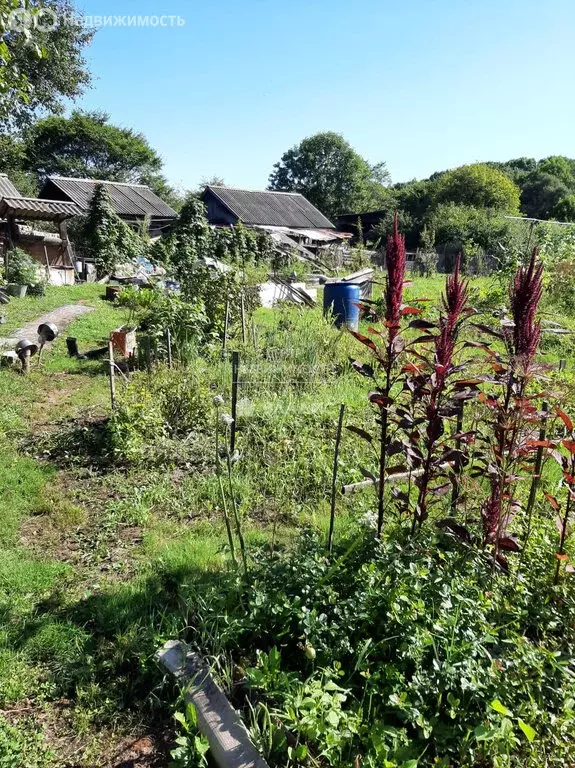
[(111, 372), (226, 324), (334, 477), (254, 334), (243, 310), (235, 371), (169, 345), (148, 355)]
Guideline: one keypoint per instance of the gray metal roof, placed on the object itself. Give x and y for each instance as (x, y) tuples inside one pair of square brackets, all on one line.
[(7, 189), (33, 208), (128, 199), (275, 209)]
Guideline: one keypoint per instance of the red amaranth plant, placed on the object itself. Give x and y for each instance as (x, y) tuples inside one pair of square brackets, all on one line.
[(388, 353), (525, 294), (515, 414), (432, 388), (395, 259)]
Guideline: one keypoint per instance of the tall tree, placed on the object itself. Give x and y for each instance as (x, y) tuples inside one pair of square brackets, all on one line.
[(86, 145), (540, 194), (43, 65), (480, 186), (331, 175)]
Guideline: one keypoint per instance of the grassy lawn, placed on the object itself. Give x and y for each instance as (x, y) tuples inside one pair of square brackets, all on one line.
[(97, 554)]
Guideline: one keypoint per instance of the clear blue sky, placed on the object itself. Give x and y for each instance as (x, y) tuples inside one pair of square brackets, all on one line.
[(422, 84)]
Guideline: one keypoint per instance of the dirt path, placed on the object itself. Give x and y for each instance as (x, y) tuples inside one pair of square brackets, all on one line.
[(61, 317)]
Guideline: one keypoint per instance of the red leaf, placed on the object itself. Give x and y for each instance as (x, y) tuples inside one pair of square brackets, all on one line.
[(538, 444), (564, 418), (364, 340), (561, 557), (509, 544), (502, 563), (552, 500), (377, 398), (411, 368), (570, 445), (410, 311)]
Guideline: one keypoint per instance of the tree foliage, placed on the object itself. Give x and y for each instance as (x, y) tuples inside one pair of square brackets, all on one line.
[(106, 238), (43, 64), (86, 145), (480, 186), (331, 175)]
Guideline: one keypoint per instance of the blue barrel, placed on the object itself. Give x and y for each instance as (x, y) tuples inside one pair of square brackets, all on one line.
[(342, 299)]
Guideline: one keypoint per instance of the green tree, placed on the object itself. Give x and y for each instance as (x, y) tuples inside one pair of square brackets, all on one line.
[(564, 210), (561, 167), (541, 193), (13, 163), (86, 145), (105, 237), (42, 56), (331, 175), (480, 186)]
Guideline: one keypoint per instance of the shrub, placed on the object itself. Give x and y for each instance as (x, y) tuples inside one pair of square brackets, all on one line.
[(21, 268), (153, 411)]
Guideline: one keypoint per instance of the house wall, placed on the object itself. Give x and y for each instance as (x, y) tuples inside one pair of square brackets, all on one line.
[(216, 213)]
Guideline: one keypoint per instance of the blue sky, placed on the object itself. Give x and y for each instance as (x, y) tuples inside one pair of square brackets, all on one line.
[(422, 84)]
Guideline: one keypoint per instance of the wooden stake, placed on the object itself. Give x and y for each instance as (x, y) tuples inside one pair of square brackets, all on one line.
[(111, 373), (243, 310), (334, 478), (169, 345), (226, 324), (148, 355), (235, 375)]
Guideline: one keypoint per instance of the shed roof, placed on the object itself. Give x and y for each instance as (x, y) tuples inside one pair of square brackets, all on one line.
[(276, 209), (33, 208), (136, 200), (7, 189)]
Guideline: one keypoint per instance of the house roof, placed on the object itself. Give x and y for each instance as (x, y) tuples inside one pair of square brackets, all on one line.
[(275, 209), (33, 208), (7, 189), (135, 200)]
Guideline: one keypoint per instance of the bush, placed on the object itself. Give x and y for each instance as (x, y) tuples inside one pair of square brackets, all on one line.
[(21, 268), (153, 412)]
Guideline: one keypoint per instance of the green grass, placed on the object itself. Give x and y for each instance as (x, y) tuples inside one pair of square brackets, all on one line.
[(21, 311)]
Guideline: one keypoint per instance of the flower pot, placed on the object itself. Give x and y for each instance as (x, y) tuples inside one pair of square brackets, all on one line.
[(16, 290)]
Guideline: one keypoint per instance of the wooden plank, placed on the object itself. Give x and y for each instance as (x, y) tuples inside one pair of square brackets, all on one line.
[(228, 737)]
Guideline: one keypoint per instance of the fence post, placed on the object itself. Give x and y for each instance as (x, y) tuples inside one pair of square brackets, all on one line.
[(226, 324), (243, 309), (169, 345), (112, 374), (334, 478), (235, 376)]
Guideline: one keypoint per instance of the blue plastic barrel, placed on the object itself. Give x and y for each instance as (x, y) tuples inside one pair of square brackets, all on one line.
[(342, 299)]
